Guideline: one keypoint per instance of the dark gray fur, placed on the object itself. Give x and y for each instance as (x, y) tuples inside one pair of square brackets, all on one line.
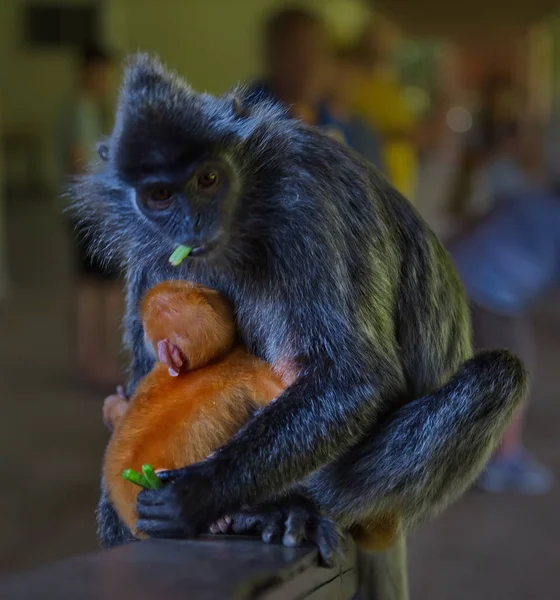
[(327, 265)]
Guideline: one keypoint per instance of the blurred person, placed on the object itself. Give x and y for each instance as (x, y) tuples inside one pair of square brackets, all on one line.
[(300, 65), (380, 101), (99, 292), (490, 145), (297, 55), (338, 108), (507, 262), (509, 255), (438, 168)]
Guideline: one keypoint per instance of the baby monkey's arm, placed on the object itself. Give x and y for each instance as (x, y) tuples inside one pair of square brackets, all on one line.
[(116, 405)]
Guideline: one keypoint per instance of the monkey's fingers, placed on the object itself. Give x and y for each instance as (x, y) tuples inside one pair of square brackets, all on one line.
[(221, 525), (163, 352), (159, 515), (176, 358), (271, 531), (157, 512), (114, 407), (161, 529), (214, 528), (169, 476), (269, 524), (327, 537), (108, 414), (296, 528), (247, 523), (170, 355), (151, 497)]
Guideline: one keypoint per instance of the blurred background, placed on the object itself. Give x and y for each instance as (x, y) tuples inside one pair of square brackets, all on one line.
[(458, 105)]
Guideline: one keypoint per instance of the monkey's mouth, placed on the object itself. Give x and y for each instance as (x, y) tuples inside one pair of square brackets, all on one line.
[(207, 248)]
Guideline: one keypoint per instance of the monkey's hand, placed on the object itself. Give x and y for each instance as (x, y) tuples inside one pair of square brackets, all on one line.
[(184, 506), (114, 407), (292, 518)]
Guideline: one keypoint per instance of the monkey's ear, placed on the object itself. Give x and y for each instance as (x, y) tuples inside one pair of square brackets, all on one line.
[(248, 101), (240, 111), (146, 78), (103, 151), (141, 69)]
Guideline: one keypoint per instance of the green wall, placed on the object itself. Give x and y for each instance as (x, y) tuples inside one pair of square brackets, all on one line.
[(214, 43), (555, 29)]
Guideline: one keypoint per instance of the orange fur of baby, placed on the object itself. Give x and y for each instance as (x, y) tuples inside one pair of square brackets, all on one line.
[(171, 422), (378, 533)]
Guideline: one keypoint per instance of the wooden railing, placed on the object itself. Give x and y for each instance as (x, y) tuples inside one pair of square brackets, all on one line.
[(218, 568)]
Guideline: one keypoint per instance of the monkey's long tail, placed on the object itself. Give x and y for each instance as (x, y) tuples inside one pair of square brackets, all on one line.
[(431, 450), (425, 455)]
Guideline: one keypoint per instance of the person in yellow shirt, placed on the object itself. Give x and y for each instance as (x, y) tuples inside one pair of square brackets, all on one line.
[(379, 100)]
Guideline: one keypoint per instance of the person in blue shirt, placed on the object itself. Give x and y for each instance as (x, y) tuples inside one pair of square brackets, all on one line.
[(508, 253), (337, 108), (508, 259), (302, 73)]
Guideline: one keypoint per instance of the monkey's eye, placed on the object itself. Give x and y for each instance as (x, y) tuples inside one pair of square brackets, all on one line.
[(158, 198), (209, 180)]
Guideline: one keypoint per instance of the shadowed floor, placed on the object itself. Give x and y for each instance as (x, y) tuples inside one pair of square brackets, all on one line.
[(52, 441)]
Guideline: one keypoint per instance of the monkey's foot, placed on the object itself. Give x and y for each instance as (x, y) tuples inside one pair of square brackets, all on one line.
[(171, 356), (221, 525), (292, 519)]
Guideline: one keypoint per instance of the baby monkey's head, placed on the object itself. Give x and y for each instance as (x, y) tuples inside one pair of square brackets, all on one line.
[(191, 318)]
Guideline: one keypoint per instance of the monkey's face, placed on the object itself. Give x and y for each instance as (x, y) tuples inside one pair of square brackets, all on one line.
[(193, 207), (180, 168), (172, 149)]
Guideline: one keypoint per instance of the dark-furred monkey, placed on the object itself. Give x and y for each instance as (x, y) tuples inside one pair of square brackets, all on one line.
[(202, 389), (329, 269)]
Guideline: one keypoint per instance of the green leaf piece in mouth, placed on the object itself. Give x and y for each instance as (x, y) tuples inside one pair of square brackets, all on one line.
[(179, 255)]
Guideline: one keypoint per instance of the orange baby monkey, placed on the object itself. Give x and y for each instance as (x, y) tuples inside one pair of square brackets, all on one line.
[(202, 389)]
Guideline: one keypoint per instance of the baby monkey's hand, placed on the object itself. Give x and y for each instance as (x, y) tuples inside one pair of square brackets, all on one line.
[(114, 407)]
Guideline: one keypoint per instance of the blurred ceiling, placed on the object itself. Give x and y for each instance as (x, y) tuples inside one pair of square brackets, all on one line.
[(465, 18)]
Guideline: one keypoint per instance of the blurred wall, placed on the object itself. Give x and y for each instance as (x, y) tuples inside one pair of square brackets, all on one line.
[(3, 257), (553, 131), (555, 32), (482, 56), (213, 43), (32, 85)]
